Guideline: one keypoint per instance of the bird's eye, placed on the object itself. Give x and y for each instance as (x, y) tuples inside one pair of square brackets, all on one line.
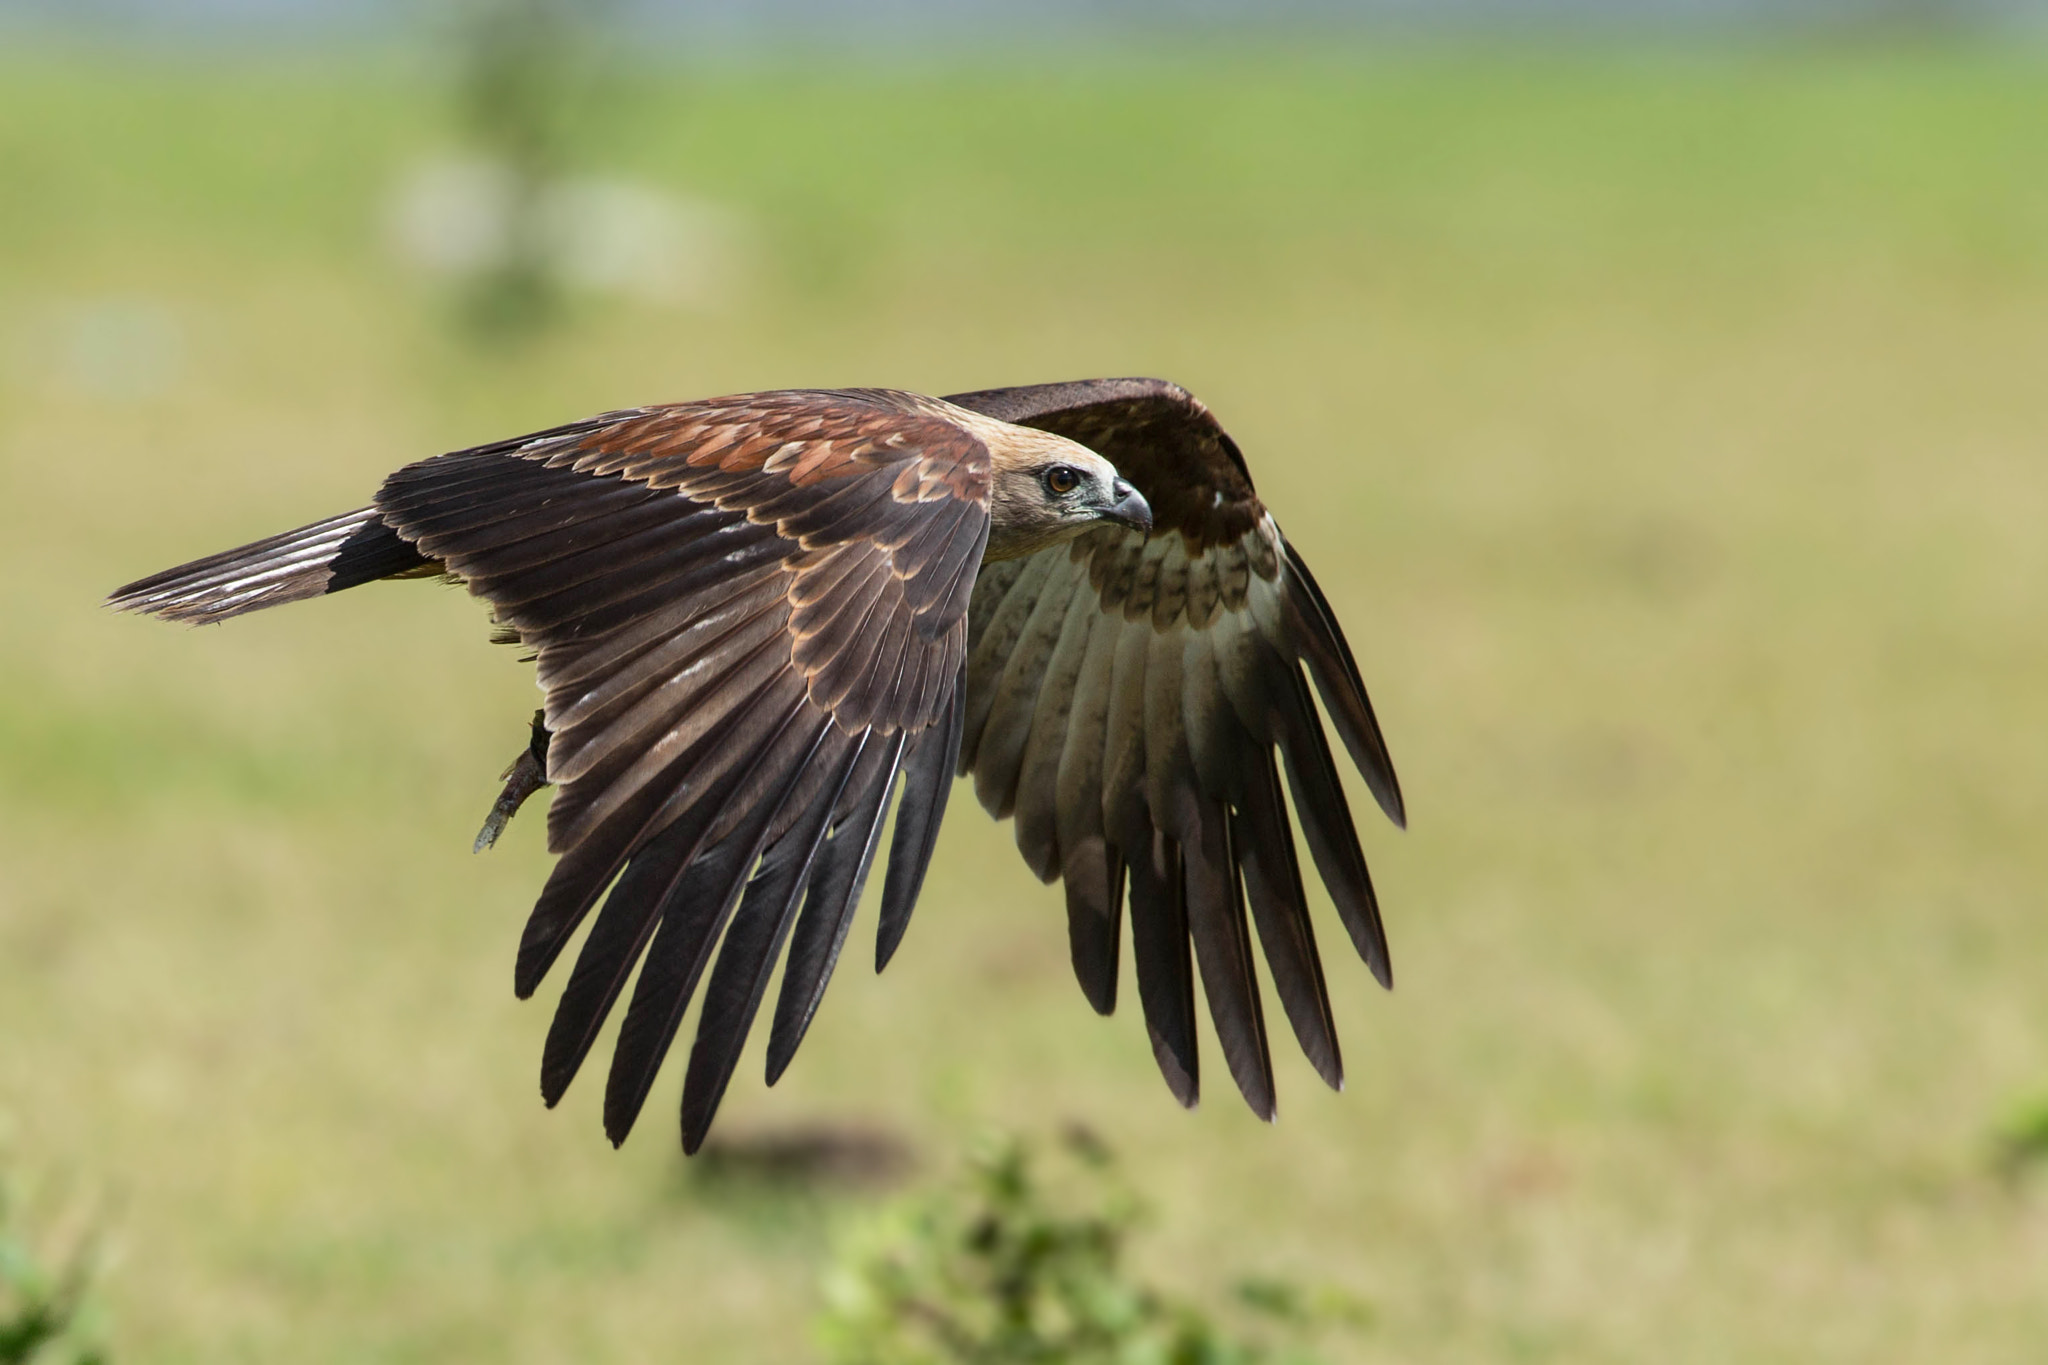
[(1060, 480)]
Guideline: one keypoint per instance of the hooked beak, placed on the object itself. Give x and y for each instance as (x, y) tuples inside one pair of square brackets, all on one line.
[(1130, 508)]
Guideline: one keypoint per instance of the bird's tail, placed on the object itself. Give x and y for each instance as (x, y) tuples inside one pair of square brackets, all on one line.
[(327, 556)]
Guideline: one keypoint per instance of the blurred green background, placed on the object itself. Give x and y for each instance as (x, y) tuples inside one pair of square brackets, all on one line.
[(1667, 424)]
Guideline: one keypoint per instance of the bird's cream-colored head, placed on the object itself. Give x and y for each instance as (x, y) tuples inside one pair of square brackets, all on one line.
[(1044, 489)]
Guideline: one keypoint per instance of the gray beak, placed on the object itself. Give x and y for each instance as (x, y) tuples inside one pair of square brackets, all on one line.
[(1130, 509)]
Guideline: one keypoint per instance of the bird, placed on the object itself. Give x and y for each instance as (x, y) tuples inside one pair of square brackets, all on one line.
[(760, 622)]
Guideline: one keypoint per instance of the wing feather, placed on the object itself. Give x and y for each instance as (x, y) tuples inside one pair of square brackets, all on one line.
[(596, 658), (991, 648), (1037, 785), (1199, 826), (1092, 871), (846, 670), (634, 749), (749, 616), (837, 878), (1332, 838), (639, 556), (942, 574), (850, 512), (927, 783), (593, 611), (1216, 924), (748, 957), (1136, 728), (825, 627), (510, 516), (1272, 880), (953, 581), (1091, 866), (1338, 682), (1014, 703), (326, 556), (1159, 952), (991, 587), (586, 868), (656, 886), (674, 662)]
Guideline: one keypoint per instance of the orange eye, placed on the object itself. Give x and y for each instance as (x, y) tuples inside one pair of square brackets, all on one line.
[(1061, 480)]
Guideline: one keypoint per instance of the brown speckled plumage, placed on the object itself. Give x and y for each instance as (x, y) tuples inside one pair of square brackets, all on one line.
[(760, 621)]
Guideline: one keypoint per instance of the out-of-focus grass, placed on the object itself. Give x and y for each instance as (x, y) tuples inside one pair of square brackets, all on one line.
[(1668, 431)]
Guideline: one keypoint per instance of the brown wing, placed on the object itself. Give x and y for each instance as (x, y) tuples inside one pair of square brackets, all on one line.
[(1125, 699), (749, 618)]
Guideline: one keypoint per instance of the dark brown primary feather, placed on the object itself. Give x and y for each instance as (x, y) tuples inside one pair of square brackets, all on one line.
[(1126, 699), (928, 782), (837, 877), (745, 613)]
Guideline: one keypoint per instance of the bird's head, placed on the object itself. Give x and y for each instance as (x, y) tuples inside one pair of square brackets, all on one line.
[(1044, 489)]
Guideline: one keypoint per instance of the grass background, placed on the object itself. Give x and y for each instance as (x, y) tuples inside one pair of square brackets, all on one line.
[(1667, 428)]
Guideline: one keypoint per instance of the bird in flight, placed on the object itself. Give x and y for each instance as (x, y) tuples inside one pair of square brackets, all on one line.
[(761, 620)]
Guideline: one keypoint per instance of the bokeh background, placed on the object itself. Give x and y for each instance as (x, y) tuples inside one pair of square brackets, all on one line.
[(1660, 393)]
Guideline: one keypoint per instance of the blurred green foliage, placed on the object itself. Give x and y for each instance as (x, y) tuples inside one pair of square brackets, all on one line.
[(2022, 1140), (1018, 1264), (47, 1316), (524, 68), (526, 72)]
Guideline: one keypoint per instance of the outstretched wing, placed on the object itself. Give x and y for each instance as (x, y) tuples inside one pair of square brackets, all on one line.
[(1125, 699), (749, 618)]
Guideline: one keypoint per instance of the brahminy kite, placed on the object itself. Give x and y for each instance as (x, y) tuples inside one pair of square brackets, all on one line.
[(761, 620)]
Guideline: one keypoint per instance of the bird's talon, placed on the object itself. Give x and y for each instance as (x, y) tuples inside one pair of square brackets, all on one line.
[(524, 776)]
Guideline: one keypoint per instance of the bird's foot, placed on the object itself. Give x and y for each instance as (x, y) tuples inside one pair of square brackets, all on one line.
[(526, 775)]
